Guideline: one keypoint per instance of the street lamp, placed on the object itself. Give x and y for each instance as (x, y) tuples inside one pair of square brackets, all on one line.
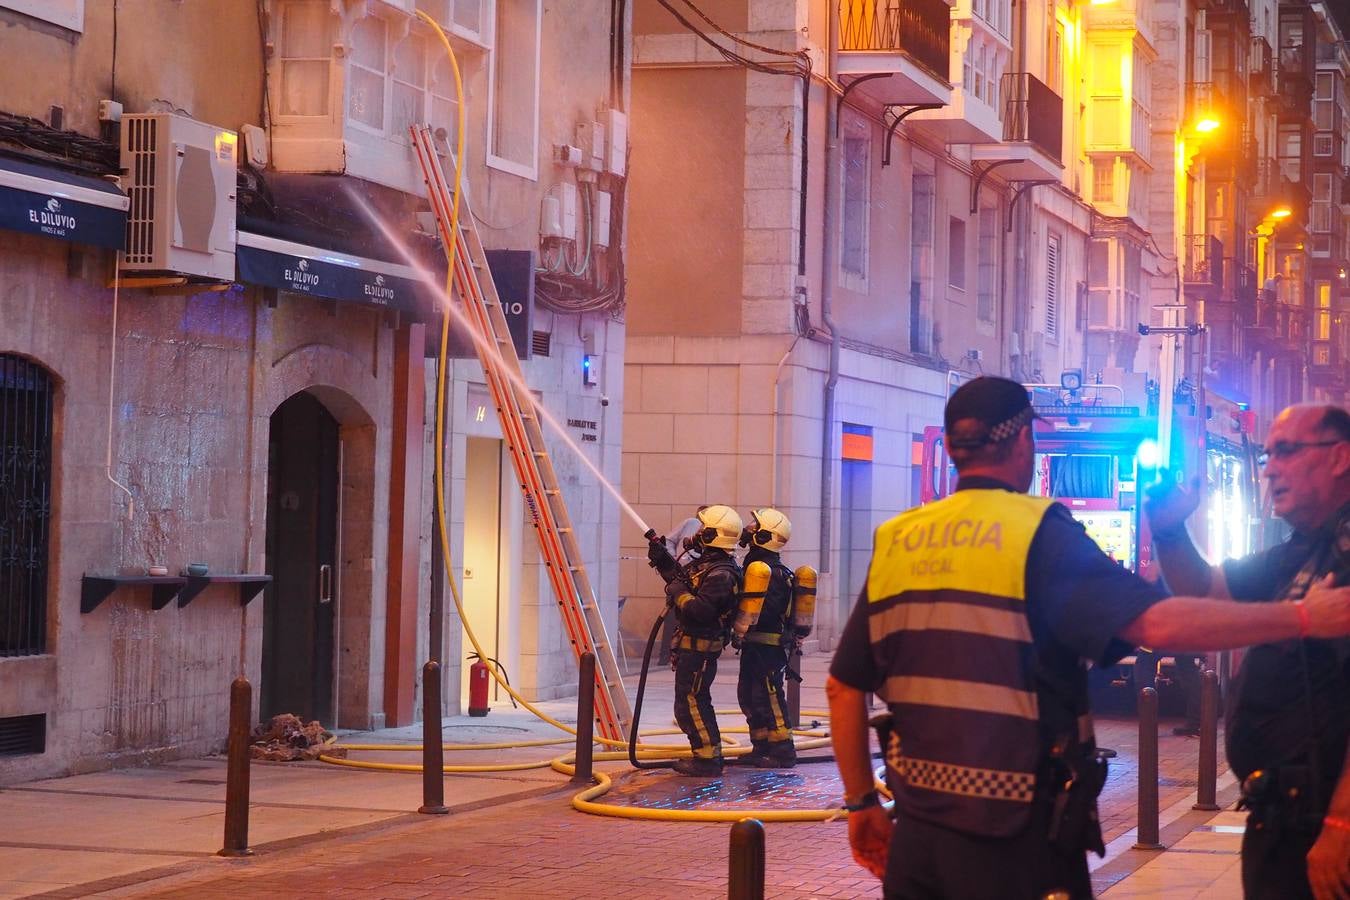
[(1282, 212), (1207, 125)]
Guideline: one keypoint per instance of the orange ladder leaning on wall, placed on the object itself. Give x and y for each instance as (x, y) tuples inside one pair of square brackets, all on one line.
[(475, 288)]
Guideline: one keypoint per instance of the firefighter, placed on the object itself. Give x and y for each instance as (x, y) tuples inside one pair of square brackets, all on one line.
[(704, 603), (774, 615)]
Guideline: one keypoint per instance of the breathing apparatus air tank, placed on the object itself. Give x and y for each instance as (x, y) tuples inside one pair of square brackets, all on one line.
[(804, 605), (756, 583)]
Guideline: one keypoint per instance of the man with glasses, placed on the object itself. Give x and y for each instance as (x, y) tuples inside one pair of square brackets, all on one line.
[(977, 616), (1288, 721)]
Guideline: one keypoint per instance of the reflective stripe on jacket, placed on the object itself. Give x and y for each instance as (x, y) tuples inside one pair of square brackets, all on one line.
[(949, 633), (716, 587)]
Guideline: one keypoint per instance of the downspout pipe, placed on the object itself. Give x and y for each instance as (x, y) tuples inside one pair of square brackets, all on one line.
[(827, 278)]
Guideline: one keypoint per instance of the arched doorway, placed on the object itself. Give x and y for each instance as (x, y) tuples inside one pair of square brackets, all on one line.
[(301, 549)]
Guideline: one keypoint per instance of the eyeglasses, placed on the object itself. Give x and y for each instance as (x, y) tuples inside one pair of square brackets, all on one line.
[(1287, 449)]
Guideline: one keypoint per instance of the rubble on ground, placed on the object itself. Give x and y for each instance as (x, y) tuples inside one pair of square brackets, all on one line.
[(287, 738)]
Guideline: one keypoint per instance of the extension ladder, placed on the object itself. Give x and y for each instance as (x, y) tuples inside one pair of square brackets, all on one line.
[(475, 288)]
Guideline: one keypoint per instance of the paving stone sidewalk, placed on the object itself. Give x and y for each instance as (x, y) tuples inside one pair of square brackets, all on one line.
[(325, 831)]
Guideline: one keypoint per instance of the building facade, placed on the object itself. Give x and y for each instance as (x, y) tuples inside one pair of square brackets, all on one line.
[(888, 198), (889, 204), (244, 378)]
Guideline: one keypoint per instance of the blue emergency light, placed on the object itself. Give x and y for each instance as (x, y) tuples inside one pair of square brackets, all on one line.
[(1149, 454)]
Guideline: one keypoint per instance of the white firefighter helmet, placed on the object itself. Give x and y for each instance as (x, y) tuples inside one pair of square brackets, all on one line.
[(721, 526), (769, 529)]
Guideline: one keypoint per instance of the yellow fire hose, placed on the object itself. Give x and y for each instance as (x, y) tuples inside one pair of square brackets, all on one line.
[(583, 801)]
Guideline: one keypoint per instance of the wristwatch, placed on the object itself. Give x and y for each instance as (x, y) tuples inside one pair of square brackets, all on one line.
[(868, 799)]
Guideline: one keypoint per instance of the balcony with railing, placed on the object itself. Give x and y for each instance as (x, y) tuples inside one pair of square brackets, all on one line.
[(1204, 261), (1033, 130), (1261, 68), (1280, 327), (909, 40)]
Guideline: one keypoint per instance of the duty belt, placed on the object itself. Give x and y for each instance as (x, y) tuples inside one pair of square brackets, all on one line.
[(699, 645)]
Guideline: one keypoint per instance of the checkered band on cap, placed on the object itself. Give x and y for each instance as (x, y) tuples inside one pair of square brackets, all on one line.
[(996, 434), (948, 778), (1006, 429)]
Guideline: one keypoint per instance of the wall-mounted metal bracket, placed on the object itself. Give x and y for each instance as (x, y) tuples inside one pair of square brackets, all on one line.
[(848, 88), (905, 112), (979, 180), (1022, 188)]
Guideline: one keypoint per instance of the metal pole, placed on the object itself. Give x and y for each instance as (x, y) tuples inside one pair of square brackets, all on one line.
[(745, 880), (1147, 835), (236, 777), (585, 719), (433, 754), (1167, 381), (793, 689), (1207, 786)]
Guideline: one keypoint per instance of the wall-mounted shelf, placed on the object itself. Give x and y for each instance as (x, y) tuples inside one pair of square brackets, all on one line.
[(94, 589), (249, 586)]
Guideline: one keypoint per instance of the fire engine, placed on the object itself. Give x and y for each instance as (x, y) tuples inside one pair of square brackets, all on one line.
[(1096, 453)]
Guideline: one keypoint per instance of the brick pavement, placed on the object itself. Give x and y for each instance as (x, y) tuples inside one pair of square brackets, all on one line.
[(541, 848), (514, 834)]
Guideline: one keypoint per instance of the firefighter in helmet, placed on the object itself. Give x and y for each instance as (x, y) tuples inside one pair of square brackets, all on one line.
[(704, 605), (775, 613)]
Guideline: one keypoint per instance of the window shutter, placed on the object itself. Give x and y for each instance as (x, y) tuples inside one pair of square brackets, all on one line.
[(1052, 286)]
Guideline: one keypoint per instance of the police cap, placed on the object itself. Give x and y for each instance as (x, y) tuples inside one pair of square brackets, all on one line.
[(986, 410)]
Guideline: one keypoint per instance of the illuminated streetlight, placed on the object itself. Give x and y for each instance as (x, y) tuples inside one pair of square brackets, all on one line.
[(1207, 124), (1283, 212)]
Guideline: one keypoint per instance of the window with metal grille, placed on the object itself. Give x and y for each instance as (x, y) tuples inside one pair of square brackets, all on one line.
[(25, 504), (1052, 288), (541, 342), (23, 734)]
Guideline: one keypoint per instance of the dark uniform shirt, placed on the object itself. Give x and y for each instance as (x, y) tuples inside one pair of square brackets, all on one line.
[(1078, 600), (704, 614), (1275, 712)]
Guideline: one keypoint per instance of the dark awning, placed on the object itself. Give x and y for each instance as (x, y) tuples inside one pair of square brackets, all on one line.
[(306, 269), (42, 200)]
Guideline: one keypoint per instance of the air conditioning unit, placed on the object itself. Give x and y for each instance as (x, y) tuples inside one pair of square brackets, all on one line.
[(180, 176)]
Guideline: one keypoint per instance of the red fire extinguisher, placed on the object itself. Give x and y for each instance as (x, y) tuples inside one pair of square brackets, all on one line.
[(478, 686)]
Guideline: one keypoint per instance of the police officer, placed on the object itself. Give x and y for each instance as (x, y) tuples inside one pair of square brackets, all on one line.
[(775, 613), (1288, 725), (703, 604), (977, 615)]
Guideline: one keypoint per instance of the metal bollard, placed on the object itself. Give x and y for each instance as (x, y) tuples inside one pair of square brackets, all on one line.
[(1207, 786), (433, 754), (236, 770), (585, 719), (1147, 835), (745, 880), (793, 689)]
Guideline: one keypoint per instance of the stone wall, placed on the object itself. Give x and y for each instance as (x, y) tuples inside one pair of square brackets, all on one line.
[(197, 379)]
